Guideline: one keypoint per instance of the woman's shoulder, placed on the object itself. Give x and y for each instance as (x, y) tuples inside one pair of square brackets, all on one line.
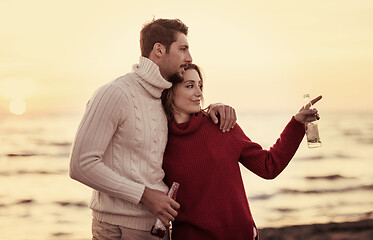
[(207, 121)]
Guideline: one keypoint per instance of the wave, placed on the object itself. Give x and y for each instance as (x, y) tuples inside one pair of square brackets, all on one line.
[(319, 157), (60, 234), (352, 132), (324, 191), (69, 204), (359, 136), (25, 201), (262, 197), (21, 154), (42, 172), (27, 155), (342, 156), (327, 177), (61, 144), (30, 201), (5, 174), (312, 191), (18, 202), (285, 210), (36, 172), (338, 155), (365, 140), (52, 143)]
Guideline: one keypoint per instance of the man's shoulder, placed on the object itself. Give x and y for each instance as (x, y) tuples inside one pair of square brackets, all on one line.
[(125, 83), (120, 85)]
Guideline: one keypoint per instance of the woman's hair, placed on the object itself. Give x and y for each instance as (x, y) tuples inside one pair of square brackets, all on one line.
[(162, 31), (168, 95)]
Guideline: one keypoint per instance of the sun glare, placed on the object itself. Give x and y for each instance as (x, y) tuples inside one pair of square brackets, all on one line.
[(17, 106)]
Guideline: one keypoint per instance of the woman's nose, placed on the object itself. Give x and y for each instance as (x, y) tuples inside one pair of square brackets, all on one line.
[(198, 92)]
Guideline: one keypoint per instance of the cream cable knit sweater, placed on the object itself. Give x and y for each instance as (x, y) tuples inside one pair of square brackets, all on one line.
[(119, 146)]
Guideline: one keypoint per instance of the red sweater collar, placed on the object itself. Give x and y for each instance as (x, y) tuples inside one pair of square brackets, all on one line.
[(187, 127)]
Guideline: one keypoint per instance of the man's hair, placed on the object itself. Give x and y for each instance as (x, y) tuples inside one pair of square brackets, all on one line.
[(162, 31)]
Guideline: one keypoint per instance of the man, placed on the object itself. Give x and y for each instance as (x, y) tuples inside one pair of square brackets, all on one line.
[(119, 146)]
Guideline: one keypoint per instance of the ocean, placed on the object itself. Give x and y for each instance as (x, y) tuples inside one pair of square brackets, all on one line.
[(333, 183)]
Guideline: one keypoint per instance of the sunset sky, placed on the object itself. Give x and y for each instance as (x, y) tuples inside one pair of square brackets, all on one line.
[(256, 55)]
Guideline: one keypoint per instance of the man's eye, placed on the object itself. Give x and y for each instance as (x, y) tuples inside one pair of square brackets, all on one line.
[(190, 86)]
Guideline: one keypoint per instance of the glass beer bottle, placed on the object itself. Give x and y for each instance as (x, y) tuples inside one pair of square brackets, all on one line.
[(312, 131), (158, 229)]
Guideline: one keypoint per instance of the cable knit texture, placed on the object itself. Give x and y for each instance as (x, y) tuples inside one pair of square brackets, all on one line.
[(119, 146), (205, 161)]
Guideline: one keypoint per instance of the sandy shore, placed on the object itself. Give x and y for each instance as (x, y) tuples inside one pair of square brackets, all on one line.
[(360, 230)]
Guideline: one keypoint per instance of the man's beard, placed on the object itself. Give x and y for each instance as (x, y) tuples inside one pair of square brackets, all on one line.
[(175, 78)]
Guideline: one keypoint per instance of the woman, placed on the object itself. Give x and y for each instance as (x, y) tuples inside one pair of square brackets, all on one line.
[(205, 162)]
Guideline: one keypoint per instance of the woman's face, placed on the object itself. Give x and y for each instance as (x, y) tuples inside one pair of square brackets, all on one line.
[(188, 96)]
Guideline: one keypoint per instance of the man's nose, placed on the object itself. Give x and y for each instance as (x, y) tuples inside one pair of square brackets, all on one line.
[(189, 58)]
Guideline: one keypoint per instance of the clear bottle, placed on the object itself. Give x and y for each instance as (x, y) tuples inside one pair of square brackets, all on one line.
[(312, 131), (158, 229)]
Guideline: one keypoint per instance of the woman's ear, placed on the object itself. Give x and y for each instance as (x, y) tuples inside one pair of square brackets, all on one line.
[(159, 49)]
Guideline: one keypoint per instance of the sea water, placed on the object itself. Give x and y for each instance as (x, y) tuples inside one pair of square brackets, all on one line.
[(38, 200)]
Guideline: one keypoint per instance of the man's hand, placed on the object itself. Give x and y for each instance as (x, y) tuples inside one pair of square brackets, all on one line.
[(306, 114), (162, 206), (226, 113)]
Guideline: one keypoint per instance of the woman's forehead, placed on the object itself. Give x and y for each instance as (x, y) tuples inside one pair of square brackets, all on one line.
[(191, 74)]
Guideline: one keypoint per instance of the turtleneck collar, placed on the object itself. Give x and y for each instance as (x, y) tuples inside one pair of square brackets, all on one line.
[(151, 78), (186, 128)]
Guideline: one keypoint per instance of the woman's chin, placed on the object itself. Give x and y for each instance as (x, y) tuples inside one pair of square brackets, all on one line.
[(197, 110)]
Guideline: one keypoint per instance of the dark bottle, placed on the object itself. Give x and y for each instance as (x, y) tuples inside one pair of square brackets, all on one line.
[(158, 229)]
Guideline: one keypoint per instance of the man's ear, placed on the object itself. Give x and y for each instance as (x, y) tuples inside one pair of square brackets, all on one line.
[(159, 49)]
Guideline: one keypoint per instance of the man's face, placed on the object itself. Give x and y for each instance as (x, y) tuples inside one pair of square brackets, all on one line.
[(176, 59)]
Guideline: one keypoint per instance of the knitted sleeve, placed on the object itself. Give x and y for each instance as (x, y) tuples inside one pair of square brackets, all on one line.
[(103, 114), (270, 163)]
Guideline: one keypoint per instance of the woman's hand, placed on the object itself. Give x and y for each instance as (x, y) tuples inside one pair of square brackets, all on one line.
[(306, 114)]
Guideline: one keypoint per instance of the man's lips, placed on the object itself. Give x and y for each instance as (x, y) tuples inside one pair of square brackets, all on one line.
[(184, 66)]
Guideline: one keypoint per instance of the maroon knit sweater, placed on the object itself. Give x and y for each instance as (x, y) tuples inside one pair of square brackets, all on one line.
[(204, 161)]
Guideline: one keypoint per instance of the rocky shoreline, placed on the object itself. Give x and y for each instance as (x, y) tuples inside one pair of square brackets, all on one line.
[(359, 230)]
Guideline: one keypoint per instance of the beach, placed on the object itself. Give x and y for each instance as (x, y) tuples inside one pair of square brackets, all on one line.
[(325, 186), (357, 230)]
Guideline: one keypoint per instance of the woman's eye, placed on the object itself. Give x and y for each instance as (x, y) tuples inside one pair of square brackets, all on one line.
[(190, 86)]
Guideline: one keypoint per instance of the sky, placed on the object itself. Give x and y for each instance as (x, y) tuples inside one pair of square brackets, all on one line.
[(256, 55)]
